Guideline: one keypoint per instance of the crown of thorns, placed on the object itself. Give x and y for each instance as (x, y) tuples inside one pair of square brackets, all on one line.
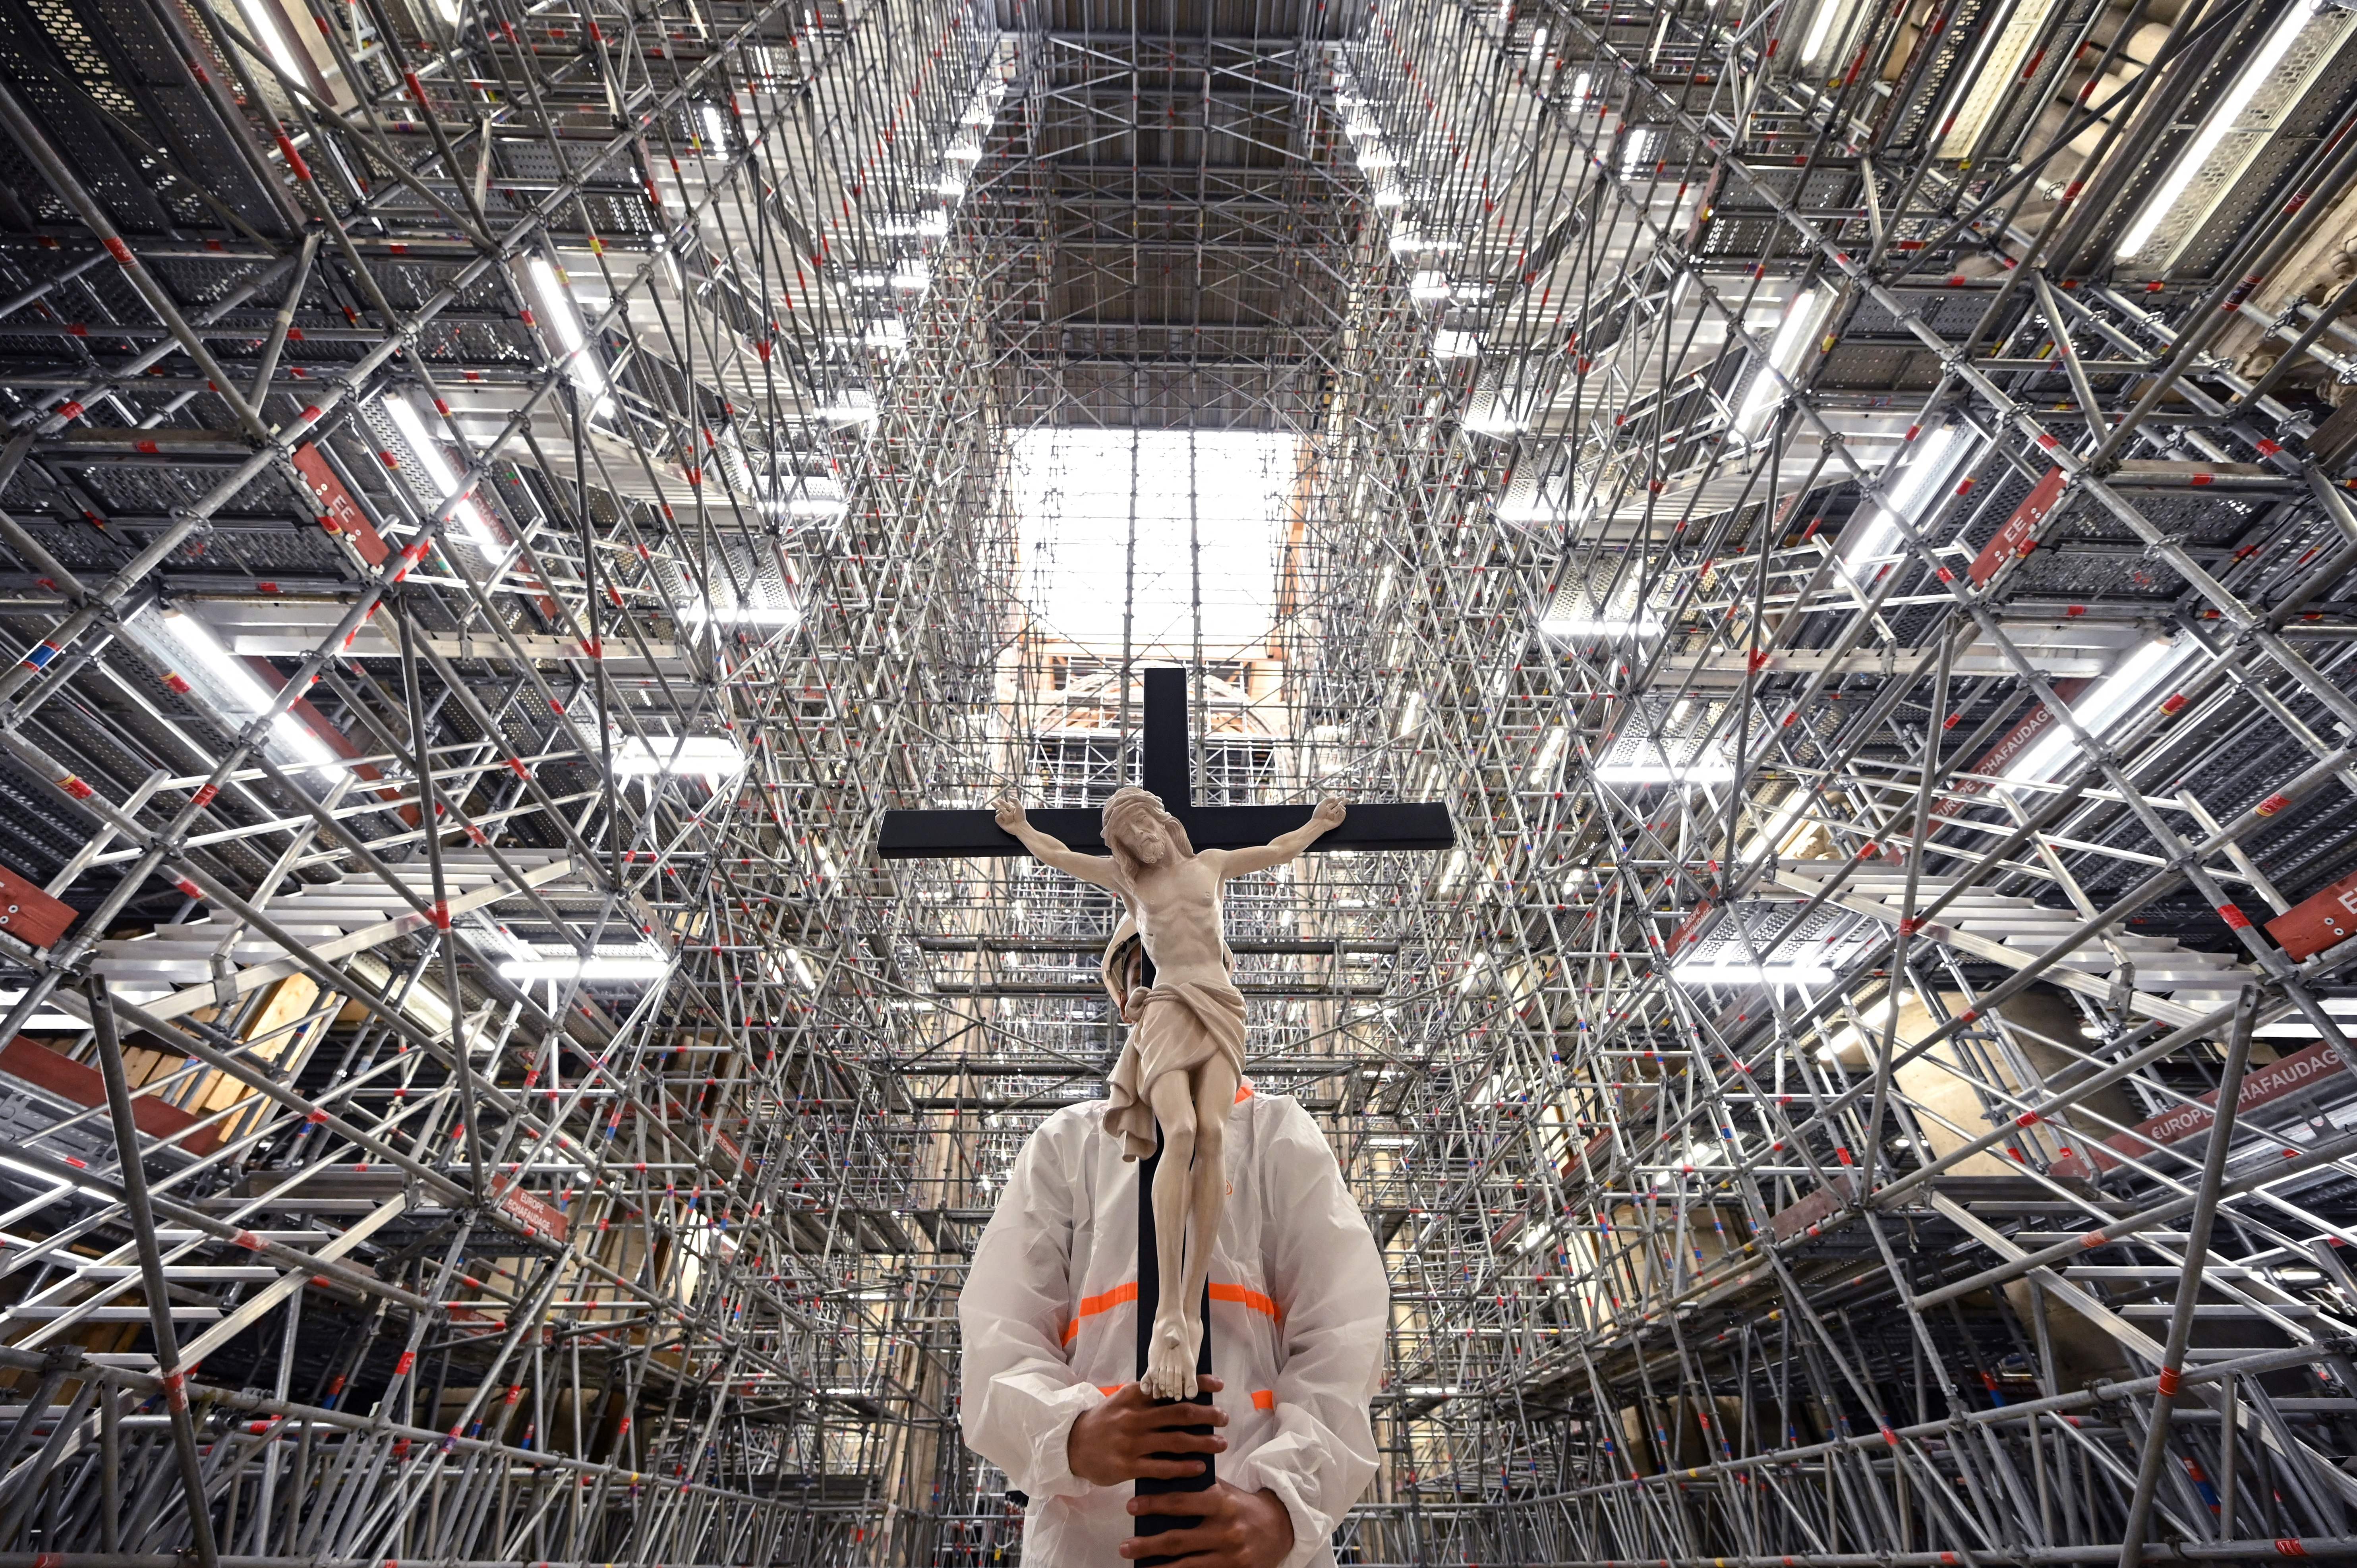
[(1128, 801)]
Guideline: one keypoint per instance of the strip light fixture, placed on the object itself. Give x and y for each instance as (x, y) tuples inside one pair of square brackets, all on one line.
[(2102, 704), (466, 514), (2219, 123), (714, 757), (1784, 355), (206, 666), (564, 318)]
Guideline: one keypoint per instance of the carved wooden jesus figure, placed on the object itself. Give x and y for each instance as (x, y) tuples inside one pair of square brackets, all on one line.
[(1185, 1050)]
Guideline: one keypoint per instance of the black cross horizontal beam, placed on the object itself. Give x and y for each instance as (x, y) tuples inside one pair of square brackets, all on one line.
[(947, 836), (933, 835)]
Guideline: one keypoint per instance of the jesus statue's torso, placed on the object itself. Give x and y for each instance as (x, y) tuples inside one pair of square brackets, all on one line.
[(1178, 911)]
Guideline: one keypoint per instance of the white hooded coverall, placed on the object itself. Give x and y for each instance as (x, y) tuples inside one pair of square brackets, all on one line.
[(1298, 1309)]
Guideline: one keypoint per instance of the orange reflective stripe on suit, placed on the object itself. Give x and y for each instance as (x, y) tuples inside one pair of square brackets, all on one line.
[(1239, 1295), (1092, 1304), (1243, 1295)]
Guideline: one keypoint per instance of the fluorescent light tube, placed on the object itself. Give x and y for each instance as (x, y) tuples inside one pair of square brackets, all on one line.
[(56, 1184), (227, 680), (1915, 483), (2214, 130), (1752, 974), (2102, 704), (48, 1017), (1784, 354), (1821, 27), (599, 966), (428, 450), (270, 30), (563, 319), (713, 756)]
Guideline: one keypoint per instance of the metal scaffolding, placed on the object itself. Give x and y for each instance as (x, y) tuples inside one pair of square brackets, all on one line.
[(1848, 500)]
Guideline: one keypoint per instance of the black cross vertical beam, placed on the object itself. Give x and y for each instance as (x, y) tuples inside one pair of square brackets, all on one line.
[(1149, 1301)]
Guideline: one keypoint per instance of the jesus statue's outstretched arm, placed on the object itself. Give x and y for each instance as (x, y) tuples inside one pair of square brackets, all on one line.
[(1280, 849), (1095, 869)]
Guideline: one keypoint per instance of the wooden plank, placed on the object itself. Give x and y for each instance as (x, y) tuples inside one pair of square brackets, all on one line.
[(30, 914), (289, 1000), (68, 1079)]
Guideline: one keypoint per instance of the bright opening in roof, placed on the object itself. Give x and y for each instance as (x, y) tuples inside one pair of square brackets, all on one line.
[(1074, 501)]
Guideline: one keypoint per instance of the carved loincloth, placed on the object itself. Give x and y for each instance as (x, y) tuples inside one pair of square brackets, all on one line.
[(1182, 1026)]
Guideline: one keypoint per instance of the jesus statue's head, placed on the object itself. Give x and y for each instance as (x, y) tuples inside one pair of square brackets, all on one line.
[(1138, 833)]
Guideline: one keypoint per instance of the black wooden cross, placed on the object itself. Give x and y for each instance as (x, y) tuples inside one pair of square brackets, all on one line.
[(1163, 764), (957, 835)]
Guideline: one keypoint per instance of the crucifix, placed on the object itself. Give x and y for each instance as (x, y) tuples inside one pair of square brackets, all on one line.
[(1166, 858)]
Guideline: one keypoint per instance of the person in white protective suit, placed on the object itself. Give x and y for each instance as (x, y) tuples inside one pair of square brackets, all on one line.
[(1299, 1304)]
